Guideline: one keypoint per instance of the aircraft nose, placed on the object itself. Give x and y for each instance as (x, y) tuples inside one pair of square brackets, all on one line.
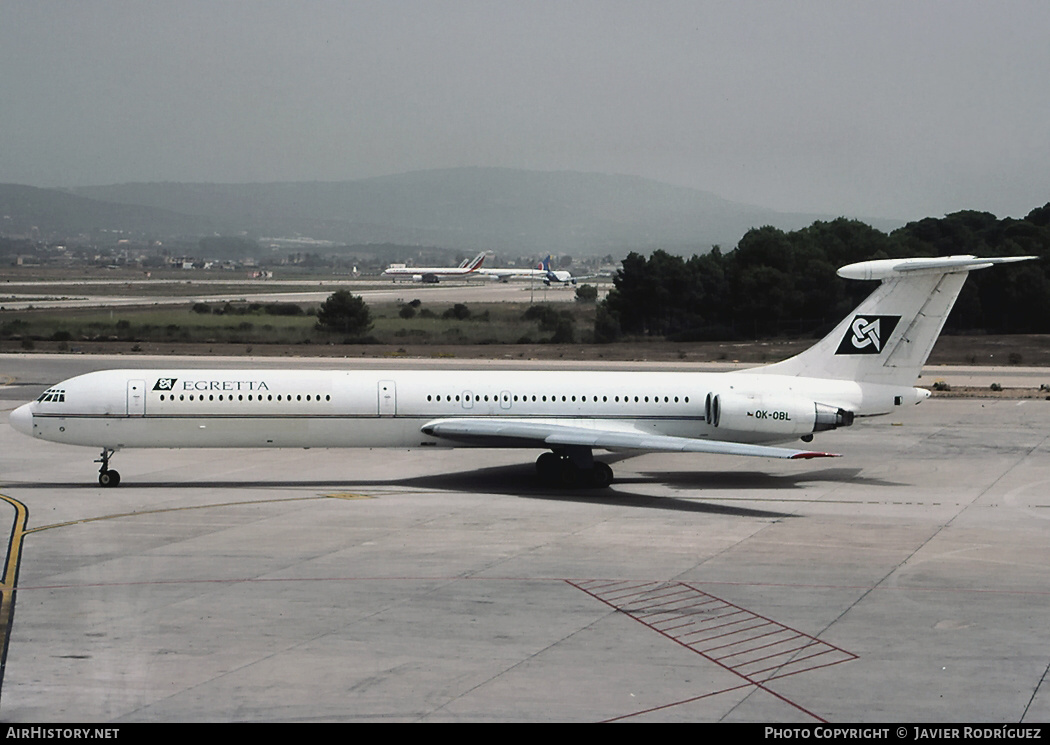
[(22, 419)]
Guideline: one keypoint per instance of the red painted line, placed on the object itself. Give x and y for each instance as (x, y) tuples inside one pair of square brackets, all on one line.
[(778, 630), (651, 614), (655, 610), (759, 684), (673, 622), (736, 612), (813, 667), (615, 583), (691, 700), (635, 592), (672, 598), (789, 664), (705, 602), (684, 613), (702, 637), (668, 630), (645, 606), (808, 657), (762, 623), (755, 649), (661, 596), (757, 615), (629, 585), (670, 612), (780, 653), (722, 626), (632, 584)]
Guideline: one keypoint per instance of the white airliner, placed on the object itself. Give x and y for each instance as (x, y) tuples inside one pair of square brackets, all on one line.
[(866, 366), (432, 274), (542, 273), (537, 273), (560, 276)]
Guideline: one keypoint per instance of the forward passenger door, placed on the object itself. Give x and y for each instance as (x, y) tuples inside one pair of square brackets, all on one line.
[(387, 398), (136, 397)]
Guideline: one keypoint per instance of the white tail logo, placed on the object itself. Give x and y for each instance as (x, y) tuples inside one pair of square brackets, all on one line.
[(865, 333)]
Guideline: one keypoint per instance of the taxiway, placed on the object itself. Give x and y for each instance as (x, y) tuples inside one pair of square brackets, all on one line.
[(903, 582)]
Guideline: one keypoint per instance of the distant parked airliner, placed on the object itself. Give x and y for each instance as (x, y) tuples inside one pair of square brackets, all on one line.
[(542, 273), (432, 274)]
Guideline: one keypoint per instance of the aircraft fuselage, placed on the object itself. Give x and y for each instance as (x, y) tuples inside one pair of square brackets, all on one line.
[(119, 409)]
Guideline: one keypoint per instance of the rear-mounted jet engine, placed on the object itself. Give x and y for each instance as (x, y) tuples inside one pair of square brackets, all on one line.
[(772, 414)]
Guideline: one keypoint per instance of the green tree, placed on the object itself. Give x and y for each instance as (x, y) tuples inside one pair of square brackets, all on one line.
[(778, 283), (459, 312), (544, 314), (345, 313), (587, 294), (606, 325), (565, 331)]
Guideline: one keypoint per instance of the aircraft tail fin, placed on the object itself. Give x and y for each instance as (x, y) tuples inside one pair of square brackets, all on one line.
[(889, 336), (476, 263)]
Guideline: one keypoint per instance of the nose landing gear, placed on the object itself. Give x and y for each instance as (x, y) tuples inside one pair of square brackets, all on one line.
[(107, 477)]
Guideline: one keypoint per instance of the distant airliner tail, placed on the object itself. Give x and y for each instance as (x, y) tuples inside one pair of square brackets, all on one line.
[(889, 336)]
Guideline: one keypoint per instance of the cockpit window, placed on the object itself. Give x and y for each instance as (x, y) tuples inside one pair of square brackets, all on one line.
[(53, 395)]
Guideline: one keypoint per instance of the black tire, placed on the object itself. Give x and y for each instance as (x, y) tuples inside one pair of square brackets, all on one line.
[(108, 478), (568, 474), (601, 476), (547, 467)]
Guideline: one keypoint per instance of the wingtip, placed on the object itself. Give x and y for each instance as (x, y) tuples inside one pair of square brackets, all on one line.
[(813, 454)]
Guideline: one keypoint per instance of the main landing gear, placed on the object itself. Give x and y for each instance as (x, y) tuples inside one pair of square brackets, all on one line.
[(573, 467), (106, 477)]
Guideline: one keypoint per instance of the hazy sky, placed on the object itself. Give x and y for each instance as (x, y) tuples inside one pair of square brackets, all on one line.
[(879, 109)]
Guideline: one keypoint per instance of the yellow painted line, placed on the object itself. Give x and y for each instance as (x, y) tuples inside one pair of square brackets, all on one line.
[(10, 577), (19, 531), (14, 554)]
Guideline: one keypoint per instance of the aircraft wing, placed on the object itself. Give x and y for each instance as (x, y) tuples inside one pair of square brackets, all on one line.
[(506, 432)]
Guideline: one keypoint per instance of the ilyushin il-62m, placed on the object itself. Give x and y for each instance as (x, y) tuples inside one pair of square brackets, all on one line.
[(866, 366)]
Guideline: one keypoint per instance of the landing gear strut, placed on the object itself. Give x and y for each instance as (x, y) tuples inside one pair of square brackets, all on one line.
[(106, 477), (573, 467)]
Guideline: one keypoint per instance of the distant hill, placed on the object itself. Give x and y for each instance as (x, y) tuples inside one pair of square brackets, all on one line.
[(55, 212), (465, 208)]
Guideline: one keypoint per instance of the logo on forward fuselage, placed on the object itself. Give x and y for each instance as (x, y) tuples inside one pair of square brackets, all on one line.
[(867, 334), (224, 385), (168, 384)]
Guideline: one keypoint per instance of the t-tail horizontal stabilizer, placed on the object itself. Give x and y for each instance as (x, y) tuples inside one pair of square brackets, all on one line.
[(890, 335), (886, 268)]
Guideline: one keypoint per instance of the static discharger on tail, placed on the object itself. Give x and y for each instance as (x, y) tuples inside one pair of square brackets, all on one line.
[(866, 366)]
